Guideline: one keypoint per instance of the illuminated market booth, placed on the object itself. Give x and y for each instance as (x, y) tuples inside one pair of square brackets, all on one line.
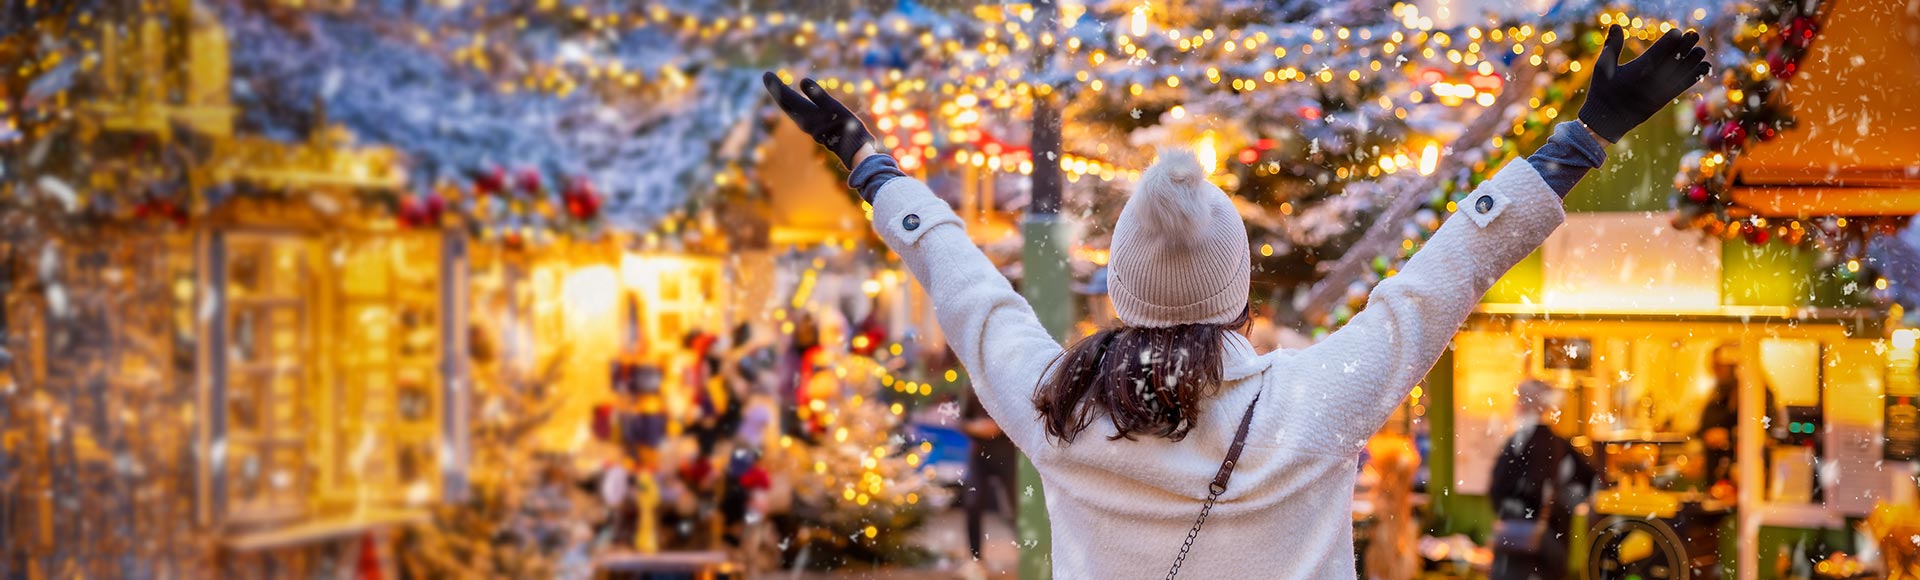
[(285, 361), (1655, 338), (280, 351), (269, 349)]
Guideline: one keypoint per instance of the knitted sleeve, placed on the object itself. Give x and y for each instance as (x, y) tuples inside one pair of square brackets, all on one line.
[(1351, 381), (988, 324)]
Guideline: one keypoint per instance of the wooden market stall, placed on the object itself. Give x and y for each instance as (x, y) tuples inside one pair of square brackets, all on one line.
[(1628, 319), (317, 344)]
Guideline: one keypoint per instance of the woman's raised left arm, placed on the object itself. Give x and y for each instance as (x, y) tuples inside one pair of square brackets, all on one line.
[(990, 326), (1352, 380)]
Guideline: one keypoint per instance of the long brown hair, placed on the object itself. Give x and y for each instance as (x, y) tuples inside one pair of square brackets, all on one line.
[(1148, 381)]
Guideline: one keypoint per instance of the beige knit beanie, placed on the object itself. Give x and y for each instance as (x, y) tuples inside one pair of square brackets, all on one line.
[(1179, 250)]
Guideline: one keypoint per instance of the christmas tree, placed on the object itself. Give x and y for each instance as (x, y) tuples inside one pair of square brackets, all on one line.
[(859, 487), (523, 516)]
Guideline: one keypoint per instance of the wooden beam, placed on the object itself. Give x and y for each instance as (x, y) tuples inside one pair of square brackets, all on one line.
[(1808, 201)]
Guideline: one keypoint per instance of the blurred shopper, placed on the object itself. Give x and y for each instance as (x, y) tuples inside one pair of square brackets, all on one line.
[(1719, 431), (1140, 427), (1537, 481), (990, 474), (1392, 552)]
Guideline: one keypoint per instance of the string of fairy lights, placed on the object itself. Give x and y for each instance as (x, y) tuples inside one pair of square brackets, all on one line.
[(946, 90), (981, 67)]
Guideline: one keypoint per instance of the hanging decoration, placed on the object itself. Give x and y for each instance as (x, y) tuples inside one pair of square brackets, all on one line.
[(1743, 110), (518, 209)]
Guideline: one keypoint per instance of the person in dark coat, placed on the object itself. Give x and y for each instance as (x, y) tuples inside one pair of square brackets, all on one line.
[(992, 463), (1533, 461), (1719, 431)]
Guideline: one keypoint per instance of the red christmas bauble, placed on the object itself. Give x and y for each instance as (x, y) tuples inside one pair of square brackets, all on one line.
[(1697, 193), (490, 181), (1758, 235), (593, 204), (1777, 63), (1800, 32), (433, 205), (411, 212), (1733, 136), (174, 212), (1766, 132), (1714, 136), (528, 181), (581, 199), (1701, 113)]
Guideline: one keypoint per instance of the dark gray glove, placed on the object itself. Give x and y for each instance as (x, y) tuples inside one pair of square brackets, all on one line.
[(817, 113), (1622, 96)]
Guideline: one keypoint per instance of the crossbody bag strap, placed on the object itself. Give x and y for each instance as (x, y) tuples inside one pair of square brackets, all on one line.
[(1218, 486)]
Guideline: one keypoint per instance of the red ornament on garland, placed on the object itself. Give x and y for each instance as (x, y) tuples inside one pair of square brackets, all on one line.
[(1697, 193), (1757, 236), (528, 181), (582, 200), (1800, 32), (434, 206), (411, 212), (1701, 113), (490, 181), (1781, 67), (1733, 136)]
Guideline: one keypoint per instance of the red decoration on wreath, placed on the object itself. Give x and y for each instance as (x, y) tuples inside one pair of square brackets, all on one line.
[(1697, 193), (421, 210), (1733, 136), (527, 181), (160, 208), (1739, 111), (1800, 32), (489, 182), (582, 200)]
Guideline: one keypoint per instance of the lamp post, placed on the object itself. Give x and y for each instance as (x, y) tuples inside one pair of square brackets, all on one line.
[(1045, 283)]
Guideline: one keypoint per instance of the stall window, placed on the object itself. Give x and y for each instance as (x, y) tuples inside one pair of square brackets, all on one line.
[(387, 346), (268, 330)]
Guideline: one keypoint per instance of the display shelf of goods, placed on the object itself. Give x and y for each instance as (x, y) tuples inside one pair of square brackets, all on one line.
[(268, 381), (388, 347)]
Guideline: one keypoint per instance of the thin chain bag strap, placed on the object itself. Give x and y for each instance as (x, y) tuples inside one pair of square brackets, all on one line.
[(1219, 486)]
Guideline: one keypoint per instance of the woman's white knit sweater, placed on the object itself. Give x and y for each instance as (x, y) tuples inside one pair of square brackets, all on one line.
[(1120, 509)]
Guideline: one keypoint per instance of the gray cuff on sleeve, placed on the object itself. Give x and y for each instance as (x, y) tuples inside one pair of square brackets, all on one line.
[(1567, 156), (874, 171)]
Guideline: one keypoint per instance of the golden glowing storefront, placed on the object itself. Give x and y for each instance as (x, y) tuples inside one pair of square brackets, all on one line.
[(330, 369), (582, 305), (1625, 318)]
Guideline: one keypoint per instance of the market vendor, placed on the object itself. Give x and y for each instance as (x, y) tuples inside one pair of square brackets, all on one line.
[(1719, 432)]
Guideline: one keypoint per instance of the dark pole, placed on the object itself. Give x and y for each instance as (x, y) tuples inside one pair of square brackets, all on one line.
[(1046, 279)]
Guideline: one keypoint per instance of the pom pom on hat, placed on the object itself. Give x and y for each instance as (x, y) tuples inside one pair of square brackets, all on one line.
[(1172, 197), (1179, 249)]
